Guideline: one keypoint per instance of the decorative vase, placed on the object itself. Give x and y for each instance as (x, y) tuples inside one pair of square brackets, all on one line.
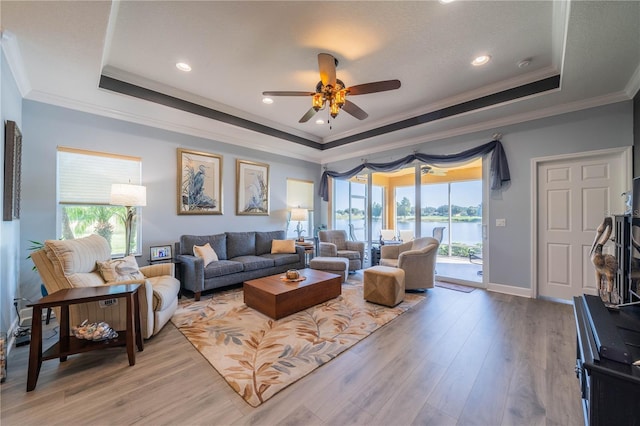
[(292, 274)]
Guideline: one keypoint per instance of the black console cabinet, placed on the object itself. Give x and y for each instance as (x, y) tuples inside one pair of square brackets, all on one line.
[(622, 239), (610, 389)]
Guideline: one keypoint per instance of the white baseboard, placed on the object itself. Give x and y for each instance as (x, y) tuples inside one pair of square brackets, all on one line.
[(509, 289)]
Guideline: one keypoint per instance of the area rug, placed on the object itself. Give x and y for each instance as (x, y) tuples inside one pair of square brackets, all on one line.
[(456, 287), (259, 356)]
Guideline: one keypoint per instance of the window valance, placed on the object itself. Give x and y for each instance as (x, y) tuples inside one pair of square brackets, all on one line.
[(499, 167)]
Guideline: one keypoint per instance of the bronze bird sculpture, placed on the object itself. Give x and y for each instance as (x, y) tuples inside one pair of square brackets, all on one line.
[(606, 265)]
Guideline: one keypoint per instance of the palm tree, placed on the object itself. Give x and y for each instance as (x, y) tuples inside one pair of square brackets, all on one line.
[(84, 217)]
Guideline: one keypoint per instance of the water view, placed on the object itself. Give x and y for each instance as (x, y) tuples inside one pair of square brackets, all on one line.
[(469, 233)]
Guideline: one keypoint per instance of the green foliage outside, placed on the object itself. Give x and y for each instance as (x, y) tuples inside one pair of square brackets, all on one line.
[(459, 249), (107, 221), (405, 212)]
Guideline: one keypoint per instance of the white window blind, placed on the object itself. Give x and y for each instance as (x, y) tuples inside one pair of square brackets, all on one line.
[(85, 177), (299, 194)]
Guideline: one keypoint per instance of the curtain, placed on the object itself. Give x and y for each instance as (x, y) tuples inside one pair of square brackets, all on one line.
[(499, 168)]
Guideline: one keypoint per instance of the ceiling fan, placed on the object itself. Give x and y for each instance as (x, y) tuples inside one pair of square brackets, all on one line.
[(333, 91), (431, 170)]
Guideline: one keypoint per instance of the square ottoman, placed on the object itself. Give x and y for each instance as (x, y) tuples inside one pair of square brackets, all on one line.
[(384, 285), (334, 265)]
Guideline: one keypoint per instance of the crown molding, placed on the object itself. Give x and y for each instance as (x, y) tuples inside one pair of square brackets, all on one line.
[(481, 92), (11, 50), (192, 129), (491, 126), (633, 85)]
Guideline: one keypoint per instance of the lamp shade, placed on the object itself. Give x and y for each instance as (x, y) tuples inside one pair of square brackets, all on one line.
[(299, 214), (124, 194)]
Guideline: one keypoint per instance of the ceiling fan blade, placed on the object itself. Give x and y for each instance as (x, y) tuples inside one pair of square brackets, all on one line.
[(327, 66), (285, 93), (377, 86), (354, 110), (307, 116)]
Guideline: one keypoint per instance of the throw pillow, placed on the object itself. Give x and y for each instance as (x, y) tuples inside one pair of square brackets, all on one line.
[(120, 269), (283, 246), (206, 253)]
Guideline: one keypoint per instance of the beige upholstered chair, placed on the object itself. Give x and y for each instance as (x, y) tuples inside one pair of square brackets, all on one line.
[(335, 244), (417, 258), (406, 235), (73, 263), (388, 235)]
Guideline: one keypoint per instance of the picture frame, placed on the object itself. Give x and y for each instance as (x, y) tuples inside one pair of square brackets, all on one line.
[(158, 253), (252, 188), (12, 171), (199, 183)]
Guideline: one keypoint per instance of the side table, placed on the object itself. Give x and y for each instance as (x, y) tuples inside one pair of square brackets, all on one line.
[(68, 344), (309, 251)]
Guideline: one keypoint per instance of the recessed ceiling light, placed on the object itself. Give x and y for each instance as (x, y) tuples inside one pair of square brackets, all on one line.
[(480, 60), (182, 66), (524, 63), (319, 121), (446, 1), (267, 101)]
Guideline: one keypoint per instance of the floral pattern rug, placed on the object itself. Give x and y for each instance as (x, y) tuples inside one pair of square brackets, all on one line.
[(259, 356)]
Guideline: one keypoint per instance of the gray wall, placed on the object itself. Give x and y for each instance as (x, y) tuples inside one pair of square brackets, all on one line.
[(47, 126), (636, 135), (509, 248), (10, 254)]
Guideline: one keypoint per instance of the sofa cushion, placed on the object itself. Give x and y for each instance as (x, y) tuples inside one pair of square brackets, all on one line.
[(206, 253), (222, 267), (218, 243), (283, 246), (252, 263), (263, 241), (79, 255), (120, 269), (349, 254), (241, 244), (282, 258)]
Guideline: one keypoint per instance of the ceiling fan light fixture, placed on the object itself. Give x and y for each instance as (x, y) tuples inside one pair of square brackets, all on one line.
[(317, 101), (335, 109), (340, 97)]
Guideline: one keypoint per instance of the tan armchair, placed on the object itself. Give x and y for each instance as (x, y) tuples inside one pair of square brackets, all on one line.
[(417, 258), (73, 263), (335, 244)]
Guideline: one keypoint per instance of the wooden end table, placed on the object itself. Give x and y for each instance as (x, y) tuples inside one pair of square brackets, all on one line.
[(68, 344)]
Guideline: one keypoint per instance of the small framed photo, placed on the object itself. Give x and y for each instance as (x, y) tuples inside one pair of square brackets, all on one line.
[(160, 253)]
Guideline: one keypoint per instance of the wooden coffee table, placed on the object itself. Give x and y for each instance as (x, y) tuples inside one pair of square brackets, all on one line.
[(277, 298)]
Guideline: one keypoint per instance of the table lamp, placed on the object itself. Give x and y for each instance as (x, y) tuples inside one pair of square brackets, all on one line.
[(129, 196), (299, 215)]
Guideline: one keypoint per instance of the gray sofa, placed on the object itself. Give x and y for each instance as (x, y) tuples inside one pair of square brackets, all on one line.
[(242, 256)]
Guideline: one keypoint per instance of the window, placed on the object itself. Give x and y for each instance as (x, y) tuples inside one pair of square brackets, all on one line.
[(350, 206), (84, 188), (300, 195)]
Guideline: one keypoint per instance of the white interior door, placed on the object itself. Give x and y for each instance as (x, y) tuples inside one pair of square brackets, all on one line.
[(574, 196)]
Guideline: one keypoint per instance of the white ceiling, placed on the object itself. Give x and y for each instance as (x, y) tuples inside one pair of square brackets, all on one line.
[(239, 49)]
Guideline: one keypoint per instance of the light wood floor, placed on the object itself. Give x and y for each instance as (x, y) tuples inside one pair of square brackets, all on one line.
[(476, 358)]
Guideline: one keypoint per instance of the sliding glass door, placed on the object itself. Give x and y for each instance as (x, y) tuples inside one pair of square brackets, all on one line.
[(452, 211), (419, 201)]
